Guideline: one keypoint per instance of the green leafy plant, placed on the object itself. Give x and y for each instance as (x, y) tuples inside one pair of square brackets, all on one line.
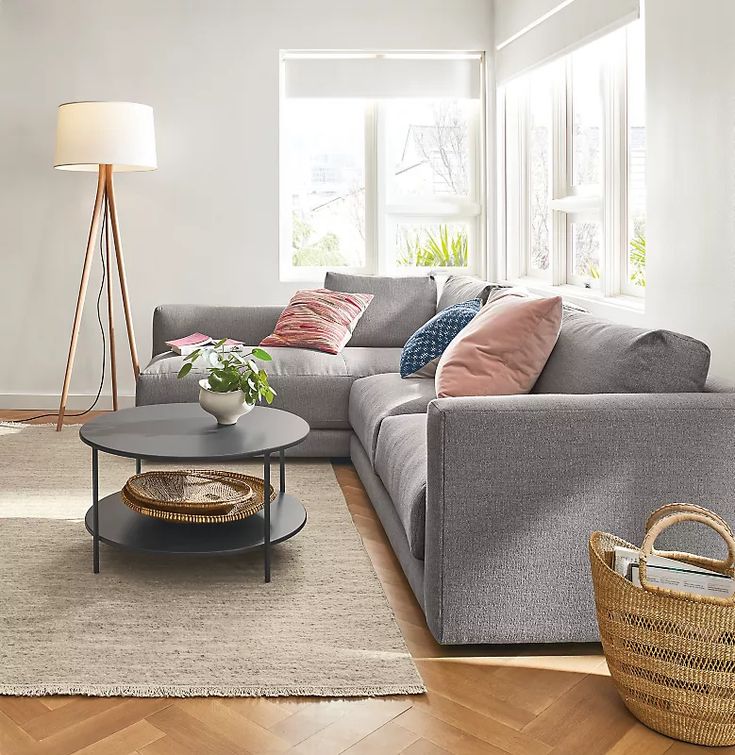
[(442, 250), (233, 371), (637, 257), (308, 252)]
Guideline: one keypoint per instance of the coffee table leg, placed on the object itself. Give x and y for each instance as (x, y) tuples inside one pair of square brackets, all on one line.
[(267, 514), (138, 465), (95, 513), (282, 470)]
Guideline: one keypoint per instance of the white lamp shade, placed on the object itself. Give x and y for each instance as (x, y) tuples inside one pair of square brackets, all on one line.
[(90, 134)]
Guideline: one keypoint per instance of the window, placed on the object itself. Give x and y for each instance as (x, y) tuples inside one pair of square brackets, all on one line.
[(325, 164), (573, 141), (381, 183)]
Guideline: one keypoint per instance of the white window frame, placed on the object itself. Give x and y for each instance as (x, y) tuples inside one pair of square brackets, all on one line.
[(381, 215), (569, 204)]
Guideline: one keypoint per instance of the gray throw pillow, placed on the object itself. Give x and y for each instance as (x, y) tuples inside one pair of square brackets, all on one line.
[(461, 288), (400, 307), (594, 355)]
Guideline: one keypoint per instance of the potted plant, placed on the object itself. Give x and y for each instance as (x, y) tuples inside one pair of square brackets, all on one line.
[(235, 383)]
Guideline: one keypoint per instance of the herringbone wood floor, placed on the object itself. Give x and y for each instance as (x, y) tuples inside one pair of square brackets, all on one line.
[(521, 699)]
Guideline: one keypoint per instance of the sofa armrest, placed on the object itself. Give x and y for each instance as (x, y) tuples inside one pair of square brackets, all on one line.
[(247, 324), (516, 484)]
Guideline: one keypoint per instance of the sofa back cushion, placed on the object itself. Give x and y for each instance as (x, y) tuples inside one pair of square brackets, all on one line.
[(247, 324), (461, 288), (594, 355), (400, 306)]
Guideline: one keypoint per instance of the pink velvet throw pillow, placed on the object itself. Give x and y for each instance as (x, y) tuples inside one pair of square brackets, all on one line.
[(318, 319), (503, 349)]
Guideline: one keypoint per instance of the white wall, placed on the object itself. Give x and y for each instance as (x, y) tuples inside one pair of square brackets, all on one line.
[(204, 227), (690, 59)]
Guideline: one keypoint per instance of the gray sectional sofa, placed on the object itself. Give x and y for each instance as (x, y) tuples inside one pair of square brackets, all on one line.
[(488, 502)]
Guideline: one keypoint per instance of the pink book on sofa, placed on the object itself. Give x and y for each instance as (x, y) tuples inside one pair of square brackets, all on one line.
[(185, 346)]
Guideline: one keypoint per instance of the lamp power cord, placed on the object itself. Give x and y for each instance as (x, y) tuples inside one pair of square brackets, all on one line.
[(104, 236)]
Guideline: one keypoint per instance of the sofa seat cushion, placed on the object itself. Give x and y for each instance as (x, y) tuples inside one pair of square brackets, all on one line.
[(372, 399), (312, 384), (594, 355), (362, 361), (400, 462)]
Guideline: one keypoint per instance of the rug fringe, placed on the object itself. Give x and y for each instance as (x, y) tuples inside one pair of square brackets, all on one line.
[(10, 423), (92, 690)]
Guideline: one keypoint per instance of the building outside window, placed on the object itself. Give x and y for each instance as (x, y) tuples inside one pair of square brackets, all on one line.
[(381, 163)]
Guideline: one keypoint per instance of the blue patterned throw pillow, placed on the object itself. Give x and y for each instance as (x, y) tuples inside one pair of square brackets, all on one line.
[(423, 349)]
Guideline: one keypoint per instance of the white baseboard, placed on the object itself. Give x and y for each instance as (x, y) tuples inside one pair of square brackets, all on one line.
[(76, 403)]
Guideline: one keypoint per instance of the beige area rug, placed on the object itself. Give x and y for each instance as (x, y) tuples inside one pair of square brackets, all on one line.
[(154, 626)]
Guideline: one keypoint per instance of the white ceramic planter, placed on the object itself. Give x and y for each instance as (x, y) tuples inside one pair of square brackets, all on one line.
[(226, 408)]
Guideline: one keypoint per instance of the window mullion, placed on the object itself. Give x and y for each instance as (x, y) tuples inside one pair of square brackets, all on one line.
[(513, 197), (524, 209), (615, 173), (560, 173), (373, 194)]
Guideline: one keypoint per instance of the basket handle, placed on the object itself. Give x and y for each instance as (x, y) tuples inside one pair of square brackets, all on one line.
[(703, 516), (673, 508)]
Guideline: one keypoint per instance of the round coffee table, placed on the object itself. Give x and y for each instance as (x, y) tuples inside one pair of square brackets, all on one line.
[(186, 433)]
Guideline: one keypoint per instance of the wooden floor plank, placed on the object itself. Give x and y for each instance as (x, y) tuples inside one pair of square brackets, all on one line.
[(450, 681), (590, 719), (389, 739), (125, 741), (13, 740), (51, 722), (445, 735), (186, 730), (87, 731), (640, 739), (264, 711), (424, 747), (22, 709), (350, 729), (234, 727), (312, 719), (481, 726)]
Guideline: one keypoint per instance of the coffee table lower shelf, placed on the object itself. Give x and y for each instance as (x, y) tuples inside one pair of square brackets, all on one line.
[(125, 528)]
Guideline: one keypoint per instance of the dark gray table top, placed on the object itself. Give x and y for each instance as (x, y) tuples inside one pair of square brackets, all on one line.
[(185, 432)]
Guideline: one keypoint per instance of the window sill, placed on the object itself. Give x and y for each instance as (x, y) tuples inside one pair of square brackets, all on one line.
[(625, 308), (316, 275)]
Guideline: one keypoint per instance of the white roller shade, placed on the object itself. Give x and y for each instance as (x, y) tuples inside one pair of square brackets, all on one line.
[(375, 77), (530, 33)]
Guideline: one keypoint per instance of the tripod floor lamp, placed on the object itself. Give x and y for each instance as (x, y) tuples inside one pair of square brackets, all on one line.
[(104, 137)]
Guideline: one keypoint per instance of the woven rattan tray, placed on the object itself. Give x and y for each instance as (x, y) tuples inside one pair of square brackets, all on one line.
[(195, 497)]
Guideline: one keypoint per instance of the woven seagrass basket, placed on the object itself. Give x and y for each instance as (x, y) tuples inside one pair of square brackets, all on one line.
[(670, 654)]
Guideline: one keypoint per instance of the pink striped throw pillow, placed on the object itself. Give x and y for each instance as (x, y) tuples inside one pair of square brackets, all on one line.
[(319, 319)]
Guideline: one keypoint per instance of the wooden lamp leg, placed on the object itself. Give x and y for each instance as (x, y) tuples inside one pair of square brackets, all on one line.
[(93, 228), (110, 318), (121, 270)]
